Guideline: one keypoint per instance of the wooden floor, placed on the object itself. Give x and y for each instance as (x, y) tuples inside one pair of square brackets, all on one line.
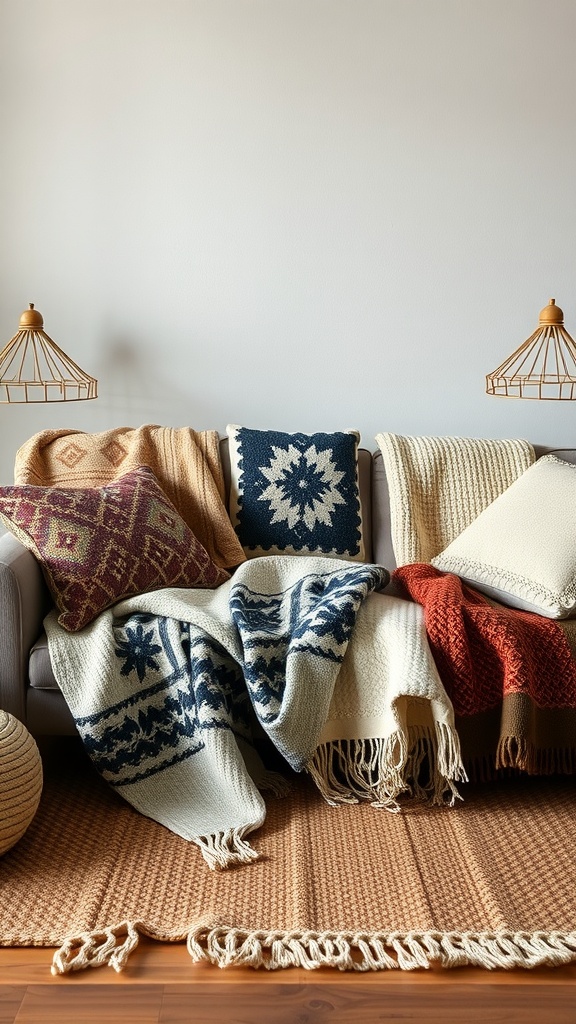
[(162, 986)]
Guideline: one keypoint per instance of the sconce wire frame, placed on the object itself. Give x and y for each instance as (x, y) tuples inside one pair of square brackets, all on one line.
[(543, 367), (33, 368)]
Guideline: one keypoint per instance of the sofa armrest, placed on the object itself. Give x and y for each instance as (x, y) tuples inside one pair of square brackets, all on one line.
[(24, 601)]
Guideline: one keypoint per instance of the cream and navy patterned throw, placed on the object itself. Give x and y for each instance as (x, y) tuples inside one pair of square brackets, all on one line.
[(296, 494), (173, 690)]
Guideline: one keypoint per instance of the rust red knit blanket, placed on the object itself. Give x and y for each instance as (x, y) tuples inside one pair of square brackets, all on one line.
[(510, 674)]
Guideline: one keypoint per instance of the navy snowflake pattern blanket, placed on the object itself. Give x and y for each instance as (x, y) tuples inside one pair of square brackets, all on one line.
[(170, 690)]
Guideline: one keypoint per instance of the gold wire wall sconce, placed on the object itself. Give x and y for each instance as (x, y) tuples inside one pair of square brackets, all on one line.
[(543, 367), (33, 368)]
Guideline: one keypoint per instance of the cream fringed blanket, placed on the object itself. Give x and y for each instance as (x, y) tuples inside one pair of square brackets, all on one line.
[(390, 728), (186, 464), (171, 691), (439, 485)]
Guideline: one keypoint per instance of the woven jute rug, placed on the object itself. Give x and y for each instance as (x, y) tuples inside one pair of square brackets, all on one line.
[(490, 882)]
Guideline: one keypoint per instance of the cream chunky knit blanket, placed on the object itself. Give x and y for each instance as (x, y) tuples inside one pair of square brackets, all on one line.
[(439, 485), (390, 728), (186, 464)]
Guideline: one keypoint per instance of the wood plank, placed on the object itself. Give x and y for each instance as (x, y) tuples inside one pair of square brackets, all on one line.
[(90, 1004), (161, 985), (11, 997), (432, 1004)]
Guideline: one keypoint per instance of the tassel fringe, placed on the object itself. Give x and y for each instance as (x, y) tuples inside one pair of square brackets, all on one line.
[(110, 947), (381, 770), (275, 783), (518, 752), (517, 756), (225, 849), (225, 946), (407, 951)]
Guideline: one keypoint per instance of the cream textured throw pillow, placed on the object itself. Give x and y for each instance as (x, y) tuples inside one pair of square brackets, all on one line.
[(521, 550)]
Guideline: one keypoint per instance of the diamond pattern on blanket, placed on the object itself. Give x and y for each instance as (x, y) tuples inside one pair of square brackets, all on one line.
[(71, 455), (114, 452)]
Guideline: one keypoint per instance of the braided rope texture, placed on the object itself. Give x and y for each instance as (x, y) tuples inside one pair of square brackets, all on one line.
[(20, 780)]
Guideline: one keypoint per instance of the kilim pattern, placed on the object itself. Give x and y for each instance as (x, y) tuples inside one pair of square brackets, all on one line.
[(98, 545), (172, 691)]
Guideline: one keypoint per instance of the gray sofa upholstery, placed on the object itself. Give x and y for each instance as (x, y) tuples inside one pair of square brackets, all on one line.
[(28, 689)]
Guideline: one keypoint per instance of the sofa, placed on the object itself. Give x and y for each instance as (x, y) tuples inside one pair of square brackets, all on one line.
[(28, 689)]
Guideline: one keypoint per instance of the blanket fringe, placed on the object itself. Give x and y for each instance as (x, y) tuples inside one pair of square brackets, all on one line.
[(225, 849), (426, 765), (275, 783), (518, 752), (110, 946), (361, 951)]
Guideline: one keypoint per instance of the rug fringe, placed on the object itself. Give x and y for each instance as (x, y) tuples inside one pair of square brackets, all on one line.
[(380, 770), (226, 946), (107, 947), (231, 947), (225, 849)]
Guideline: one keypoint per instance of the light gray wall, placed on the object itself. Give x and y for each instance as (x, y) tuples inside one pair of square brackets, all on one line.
[(302, 214)]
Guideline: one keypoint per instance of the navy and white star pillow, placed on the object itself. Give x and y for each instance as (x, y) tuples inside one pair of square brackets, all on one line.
[(296, 494)]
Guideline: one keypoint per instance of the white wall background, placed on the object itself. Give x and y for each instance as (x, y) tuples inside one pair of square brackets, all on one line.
[(301, 214)]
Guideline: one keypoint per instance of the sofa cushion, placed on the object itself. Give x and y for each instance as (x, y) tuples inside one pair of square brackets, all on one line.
[(521, 550), (295, 493), (98, 545), (40, 674)]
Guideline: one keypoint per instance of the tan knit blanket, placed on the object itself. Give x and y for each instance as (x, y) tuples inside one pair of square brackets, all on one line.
[(185, 462), (439, 485)]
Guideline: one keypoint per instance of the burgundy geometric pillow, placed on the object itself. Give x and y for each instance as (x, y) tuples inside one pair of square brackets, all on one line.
[(97, 545)]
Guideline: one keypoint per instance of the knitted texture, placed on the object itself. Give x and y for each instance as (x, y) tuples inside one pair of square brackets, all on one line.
[(170, 689), (438, 485), (96, 545), (296, 493), (486, 654), (389, 709), (488, 883), (185, 462)]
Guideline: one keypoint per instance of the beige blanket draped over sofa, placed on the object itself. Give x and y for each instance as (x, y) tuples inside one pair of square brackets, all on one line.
[(186, 464)]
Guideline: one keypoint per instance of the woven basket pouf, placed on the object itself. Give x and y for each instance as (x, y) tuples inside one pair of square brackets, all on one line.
[(20, 780)]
